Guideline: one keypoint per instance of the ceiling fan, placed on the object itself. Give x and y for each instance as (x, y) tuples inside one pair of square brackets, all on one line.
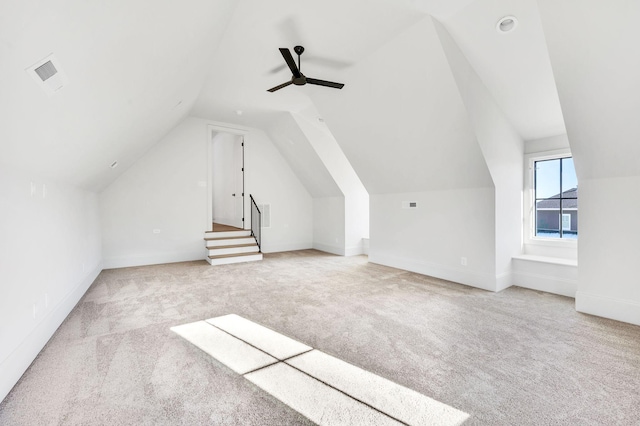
[(297, 77)]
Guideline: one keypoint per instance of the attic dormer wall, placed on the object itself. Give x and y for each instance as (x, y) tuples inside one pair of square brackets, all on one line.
[(328, 199), (403, 126), (355, 210), (503, 150), (593, 46)]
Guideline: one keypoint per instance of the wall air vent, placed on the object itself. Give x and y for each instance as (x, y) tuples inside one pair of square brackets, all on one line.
[(48, 73), (265, 209)]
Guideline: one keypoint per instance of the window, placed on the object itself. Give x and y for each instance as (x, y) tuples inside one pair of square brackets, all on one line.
[(555, 198)]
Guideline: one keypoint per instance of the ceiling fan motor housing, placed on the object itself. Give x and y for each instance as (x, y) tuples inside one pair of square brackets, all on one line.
[(297, 77)]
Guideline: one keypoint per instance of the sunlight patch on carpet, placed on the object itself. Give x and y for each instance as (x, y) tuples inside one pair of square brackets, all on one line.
[(323, 388)]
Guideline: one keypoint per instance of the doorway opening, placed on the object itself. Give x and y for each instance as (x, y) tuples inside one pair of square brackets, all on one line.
[(226, 181)]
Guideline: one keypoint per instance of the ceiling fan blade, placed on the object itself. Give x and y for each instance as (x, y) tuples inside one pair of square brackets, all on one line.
[(325, 83), (273, 89), (286, 54)]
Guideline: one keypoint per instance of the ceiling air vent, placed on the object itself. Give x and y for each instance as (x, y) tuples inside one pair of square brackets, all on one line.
[(46, 70), (48, 73)]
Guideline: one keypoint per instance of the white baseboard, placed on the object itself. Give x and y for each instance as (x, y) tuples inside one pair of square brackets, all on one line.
[(277, 248), (546, 283), (354, 250), (557, 276), (504, 281), (340, 251), (155, 259), (14, 366), (608, 307), (458, 275)]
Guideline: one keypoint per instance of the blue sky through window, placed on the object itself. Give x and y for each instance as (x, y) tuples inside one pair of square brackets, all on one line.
[(548, 177)]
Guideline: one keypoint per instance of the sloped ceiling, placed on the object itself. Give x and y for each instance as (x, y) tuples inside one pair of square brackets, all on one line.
[(403, 101), (336, 34), (514, 66), (137, 68), (402, 123), (595, 56), (134, 67), (303, 159)]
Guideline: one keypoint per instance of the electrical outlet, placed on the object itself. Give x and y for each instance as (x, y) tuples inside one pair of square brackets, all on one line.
[(33, 189), (463, 261), (156, 231)]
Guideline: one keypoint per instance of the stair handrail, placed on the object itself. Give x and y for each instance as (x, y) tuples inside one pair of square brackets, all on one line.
[(256, 223)]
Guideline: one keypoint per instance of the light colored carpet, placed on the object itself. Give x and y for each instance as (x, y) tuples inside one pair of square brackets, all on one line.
[(516, 357)]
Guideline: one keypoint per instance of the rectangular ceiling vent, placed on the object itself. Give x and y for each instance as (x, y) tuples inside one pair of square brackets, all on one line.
[(265, 209), (48, 73)]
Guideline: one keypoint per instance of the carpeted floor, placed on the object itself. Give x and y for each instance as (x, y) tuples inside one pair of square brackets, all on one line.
[(518, 357)]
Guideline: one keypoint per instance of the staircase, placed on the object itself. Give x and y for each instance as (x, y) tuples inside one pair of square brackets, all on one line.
[(231, 247)]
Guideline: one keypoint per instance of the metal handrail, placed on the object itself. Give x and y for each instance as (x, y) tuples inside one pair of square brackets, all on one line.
[(256, 223)]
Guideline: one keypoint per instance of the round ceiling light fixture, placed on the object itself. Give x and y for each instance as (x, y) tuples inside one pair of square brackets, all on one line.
[(507, 24)]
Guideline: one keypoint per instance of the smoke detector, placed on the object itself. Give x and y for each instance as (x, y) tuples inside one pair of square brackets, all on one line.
[(48, 74), (507, 24)]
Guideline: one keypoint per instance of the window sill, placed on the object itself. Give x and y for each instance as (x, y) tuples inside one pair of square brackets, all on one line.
[(547, 259)]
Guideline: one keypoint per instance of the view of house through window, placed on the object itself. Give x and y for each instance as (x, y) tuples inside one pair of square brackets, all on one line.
[(556, 198)]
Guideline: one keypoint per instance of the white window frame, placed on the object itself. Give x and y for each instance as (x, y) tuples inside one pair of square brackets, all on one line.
[(528, 228)]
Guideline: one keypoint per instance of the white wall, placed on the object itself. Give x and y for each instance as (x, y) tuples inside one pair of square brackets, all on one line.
[(357, 219), (329, 224), (356, 198), (49, 255), (432, 238), (609, 248), (550, 143), (271, 181), (166, 190), (600, 109), (502, 148)]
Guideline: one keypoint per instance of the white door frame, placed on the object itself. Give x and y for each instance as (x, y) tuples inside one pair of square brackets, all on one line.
[(211, 128)]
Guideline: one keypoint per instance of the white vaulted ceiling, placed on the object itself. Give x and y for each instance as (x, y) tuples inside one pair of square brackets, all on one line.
[(137, 68), (514, 66), (335, 34), (134, 68)]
